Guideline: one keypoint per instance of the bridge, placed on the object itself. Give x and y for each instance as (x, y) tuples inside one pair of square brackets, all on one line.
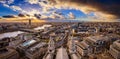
[(29, 30)]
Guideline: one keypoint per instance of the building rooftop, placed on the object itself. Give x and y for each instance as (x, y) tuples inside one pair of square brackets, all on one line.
[(116, 45), (83, 45), (62, 54), (34, 48), (95, 38)]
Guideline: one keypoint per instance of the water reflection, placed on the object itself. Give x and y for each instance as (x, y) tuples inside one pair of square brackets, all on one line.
[(10, 34), (42, 27)]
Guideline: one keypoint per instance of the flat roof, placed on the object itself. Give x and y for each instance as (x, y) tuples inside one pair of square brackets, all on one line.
[(27, 43)]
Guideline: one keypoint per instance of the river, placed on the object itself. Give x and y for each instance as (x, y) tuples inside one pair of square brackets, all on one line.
[(10, 34), (15, 33)]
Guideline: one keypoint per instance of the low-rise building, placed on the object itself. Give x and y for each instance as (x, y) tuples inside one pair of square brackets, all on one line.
[(97, 43), (83, 48), (9, 54), (35, 51), (32, 49), (3, 44), (115, 49)]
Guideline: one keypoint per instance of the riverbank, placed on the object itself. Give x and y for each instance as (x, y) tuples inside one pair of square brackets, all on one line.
[(15, 32), (10, 27)]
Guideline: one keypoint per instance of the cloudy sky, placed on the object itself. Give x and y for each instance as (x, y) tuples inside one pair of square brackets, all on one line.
[(83, 10)]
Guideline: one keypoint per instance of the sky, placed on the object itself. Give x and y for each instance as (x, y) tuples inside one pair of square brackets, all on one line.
[(83, 10)]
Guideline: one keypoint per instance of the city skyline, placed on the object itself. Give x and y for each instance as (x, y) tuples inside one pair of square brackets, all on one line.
[(59, 29)]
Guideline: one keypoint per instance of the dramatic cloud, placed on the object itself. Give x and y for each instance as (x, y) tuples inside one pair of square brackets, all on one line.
[(57, 15), (101, 9), (10, 1), (54, 15), (31, 11), (32, 1), (16, 8), (107, 7), (71, 15), (7, 1), (6, 5)]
